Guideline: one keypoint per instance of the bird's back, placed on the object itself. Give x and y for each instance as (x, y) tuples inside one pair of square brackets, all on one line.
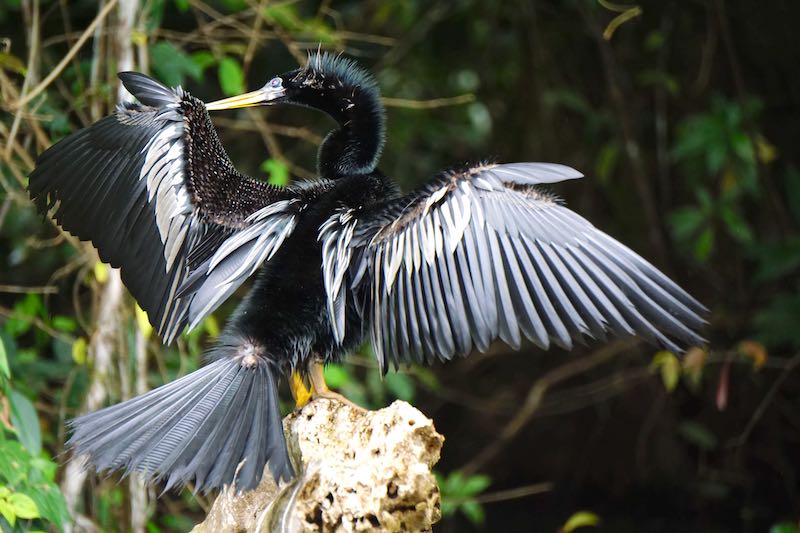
[(286, 309)]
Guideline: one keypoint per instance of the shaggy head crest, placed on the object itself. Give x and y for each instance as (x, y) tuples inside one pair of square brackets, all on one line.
[(325, 70)]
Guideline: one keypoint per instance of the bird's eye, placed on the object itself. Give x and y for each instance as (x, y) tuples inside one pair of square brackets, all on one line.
[(275, 83)]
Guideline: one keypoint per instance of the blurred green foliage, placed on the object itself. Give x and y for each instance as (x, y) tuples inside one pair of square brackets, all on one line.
[(719, 157), (29, 496), (459, 492)]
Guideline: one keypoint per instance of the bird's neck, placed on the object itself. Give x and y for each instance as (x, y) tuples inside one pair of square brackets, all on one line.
[(355, 146)]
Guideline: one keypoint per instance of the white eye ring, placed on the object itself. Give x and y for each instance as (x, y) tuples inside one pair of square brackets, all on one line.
[(275, 82)]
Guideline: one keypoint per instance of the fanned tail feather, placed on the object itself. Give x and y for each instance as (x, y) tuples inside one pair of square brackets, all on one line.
[(197, 429)]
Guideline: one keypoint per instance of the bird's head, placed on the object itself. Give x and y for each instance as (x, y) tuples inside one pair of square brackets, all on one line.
[(328, 82), (340, 88)]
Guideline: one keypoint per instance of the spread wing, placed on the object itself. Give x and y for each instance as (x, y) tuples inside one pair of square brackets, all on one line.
[(155, 192), (483, 253)]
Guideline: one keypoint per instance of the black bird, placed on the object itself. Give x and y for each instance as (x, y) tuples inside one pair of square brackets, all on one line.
[(479, 253)]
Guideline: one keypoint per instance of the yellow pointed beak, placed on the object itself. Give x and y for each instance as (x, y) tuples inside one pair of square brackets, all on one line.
[(263, 96)]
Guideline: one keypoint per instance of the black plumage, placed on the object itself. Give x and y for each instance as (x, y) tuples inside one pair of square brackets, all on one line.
[(479, 253)]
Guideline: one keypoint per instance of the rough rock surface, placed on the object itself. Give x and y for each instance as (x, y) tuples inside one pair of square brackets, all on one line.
[(358, 471)]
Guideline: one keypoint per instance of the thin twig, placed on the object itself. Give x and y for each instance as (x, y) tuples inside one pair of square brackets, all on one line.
[(535, 396), (273, 147), (505, 495), (216, 15), (515, 493), (67, 58), (19, 289), (765, 402), (620, 100), (279, 129), (30, 74), (39, 323), (253, 42), (429, 104)]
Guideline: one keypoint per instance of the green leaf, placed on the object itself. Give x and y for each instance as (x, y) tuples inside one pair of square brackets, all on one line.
[(25, 421), (203, 59), (452, 484), (7, 510), (686, 221), (569, 99), (580, 519), (211, 326), (100, 272), (704, 244), (278, 172), (336, 376), (79, 351), (64, 323), (607, 161), (284, 15), (737, 227), (45, 466), (474, 512), (24, 506), (235, 5), (784, 527), (231, 77), (182, 5), (13, 63), (697, 434), (659, 78), (154, 17), (319, 31), (448, 507), (4, 370), (51, 504), (776, 324), (476, 484), (777, 259), (654, 40), (15, 462), (669, 367), (177, 522), (743, 147), (31, 305), (172, 65)]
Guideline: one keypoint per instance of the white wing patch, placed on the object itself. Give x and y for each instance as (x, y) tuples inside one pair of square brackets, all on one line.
[(163, 170), (336, 234)]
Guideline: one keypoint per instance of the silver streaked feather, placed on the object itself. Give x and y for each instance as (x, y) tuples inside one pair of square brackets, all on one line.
[(483, 254), (335, 234)]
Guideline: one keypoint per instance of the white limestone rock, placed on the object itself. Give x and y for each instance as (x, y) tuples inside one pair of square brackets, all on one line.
[(364, 471)]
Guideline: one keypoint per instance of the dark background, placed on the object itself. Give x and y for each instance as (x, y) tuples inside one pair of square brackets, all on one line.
[(684, 120)]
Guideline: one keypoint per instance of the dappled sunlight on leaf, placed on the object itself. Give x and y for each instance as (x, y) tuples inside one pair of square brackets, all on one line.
[(579, 520), (668, 367), (755, 351)]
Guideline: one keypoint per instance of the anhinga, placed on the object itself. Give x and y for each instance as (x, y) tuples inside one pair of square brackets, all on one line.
[(479, 253)]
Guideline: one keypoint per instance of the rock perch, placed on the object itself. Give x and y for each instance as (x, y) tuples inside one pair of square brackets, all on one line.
[(357, 471)]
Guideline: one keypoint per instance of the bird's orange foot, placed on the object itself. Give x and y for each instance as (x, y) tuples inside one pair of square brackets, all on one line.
[(301, 394), (319, 389)]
